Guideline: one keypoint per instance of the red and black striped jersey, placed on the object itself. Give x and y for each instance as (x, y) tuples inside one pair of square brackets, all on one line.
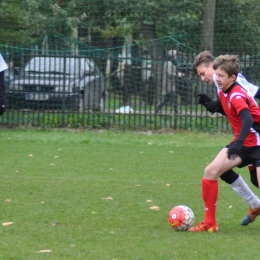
[(233, 101)]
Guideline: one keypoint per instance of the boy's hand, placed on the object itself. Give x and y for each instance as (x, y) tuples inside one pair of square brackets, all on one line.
[(234, 149), (203, 99), (214, 106)]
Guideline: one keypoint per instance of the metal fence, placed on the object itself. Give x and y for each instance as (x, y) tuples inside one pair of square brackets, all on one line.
[(112, 88)]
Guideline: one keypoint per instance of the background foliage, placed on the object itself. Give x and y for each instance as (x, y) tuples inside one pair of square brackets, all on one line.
[(236, 21), (139, 33)]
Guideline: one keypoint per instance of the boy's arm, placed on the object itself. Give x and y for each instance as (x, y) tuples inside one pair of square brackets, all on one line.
[(215, 106), (247, 122), (211, 105)]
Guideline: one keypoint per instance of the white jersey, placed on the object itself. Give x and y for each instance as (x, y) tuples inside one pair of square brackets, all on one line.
[(241, 80), (3, 65)]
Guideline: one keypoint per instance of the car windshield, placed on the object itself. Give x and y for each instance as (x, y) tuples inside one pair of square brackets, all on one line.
[(57, 65)]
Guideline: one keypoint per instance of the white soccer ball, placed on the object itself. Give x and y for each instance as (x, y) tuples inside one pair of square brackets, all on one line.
[(181, 218)]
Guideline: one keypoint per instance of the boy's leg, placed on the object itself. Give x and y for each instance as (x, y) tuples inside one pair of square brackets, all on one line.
[(241, 188), (253, 176), (209, 196), (219, 165), (254, 208)]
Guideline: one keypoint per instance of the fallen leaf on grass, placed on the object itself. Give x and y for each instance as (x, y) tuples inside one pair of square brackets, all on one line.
[(7, 223), (154, 208), (7, 200), (138, 185), (44, 251), (149, 201), (56, 156), (149, 143), (30, 155), (108, 198), (167, 184)]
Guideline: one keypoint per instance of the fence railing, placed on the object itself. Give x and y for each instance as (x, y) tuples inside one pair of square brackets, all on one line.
[(195, 120), (107, 89)]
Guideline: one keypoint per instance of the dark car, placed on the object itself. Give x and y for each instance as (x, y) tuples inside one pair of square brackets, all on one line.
[(58, 82)]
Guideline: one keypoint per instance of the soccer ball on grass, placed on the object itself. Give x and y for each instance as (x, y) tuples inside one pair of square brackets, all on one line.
[(181, 218)]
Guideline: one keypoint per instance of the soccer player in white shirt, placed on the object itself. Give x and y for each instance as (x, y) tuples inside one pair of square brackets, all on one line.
[(3, 67), (203, 67)]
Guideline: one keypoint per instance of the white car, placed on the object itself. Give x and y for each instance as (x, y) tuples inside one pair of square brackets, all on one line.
[(58, 82)]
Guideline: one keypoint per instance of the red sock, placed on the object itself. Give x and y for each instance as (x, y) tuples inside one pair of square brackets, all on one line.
[(210, 196)]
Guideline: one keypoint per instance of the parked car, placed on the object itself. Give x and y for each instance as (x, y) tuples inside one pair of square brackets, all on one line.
[(9, 76), (57, 82)]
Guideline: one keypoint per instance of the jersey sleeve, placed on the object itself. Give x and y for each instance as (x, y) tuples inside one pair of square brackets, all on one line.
[(239, 102), (249, 87), (3, 65)]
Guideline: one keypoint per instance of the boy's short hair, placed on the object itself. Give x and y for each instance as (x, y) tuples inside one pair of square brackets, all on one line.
[(228, 63), (204, 58)]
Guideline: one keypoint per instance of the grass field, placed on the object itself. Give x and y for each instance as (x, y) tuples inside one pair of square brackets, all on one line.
[(83, 195)]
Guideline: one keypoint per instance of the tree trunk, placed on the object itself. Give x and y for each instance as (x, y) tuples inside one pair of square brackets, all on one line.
[(207, 28)]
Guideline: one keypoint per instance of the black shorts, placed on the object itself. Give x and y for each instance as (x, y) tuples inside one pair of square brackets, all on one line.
[(249, 155)]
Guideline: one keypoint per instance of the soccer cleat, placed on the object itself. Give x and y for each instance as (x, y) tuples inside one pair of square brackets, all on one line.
[(204, 227), (251, 216)]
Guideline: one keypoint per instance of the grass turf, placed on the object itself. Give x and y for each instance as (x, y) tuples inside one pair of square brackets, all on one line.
[(83, 195)]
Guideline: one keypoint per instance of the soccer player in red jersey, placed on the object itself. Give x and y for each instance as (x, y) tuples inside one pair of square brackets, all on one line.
[(241, 111), (203, 67)]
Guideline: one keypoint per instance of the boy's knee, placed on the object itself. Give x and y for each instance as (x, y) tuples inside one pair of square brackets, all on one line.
[(211, 173)]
